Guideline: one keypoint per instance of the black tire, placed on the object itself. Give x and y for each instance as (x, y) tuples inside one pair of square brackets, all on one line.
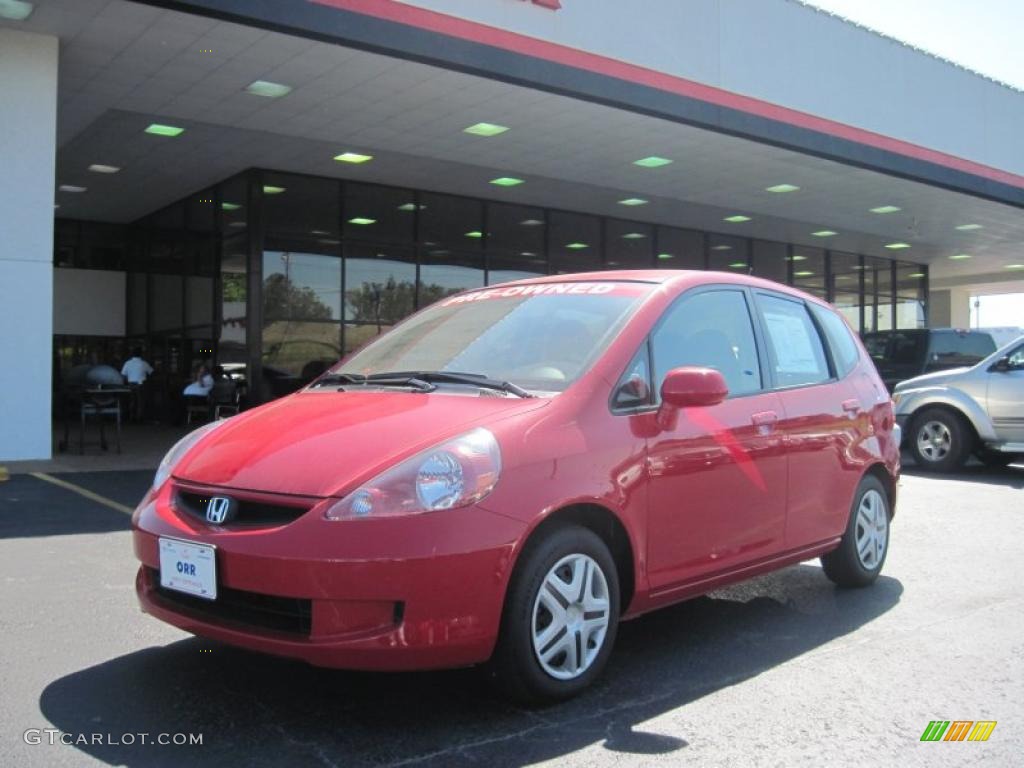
[(947, 456), (844, 565), (515, 668), (992, 458)]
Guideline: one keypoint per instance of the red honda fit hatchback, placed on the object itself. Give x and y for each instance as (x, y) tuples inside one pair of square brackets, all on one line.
[(510, 472)]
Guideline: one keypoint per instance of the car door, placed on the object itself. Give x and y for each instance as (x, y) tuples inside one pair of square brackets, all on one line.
[(823, 420), (1005, 398), (717, 476)]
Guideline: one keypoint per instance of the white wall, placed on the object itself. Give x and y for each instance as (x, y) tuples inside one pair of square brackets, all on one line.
[(88, 302), (28, 119), (786, 54)]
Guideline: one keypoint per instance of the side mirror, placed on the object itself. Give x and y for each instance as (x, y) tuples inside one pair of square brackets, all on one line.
[(691, 387), (1002, 365)]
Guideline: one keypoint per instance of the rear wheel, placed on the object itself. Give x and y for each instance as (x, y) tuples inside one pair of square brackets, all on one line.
[(861, 554), (939, 440), (560, 619)]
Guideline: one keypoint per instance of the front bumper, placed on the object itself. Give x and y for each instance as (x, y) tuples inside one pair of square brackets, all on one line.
[(413, 593)]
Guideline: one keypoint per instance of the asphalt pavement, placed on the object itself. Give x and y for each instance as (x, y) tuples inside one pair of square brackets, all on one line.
[(784, 670)]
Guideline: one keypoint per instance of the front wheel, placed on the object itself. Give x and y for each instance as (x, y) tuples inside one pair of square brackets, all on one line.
[(859, 558), (560, 618)]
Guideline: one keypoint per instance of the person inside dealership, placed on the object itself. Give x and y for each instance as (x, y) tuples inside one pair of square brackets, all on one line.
[(201, 383), (135, 371)]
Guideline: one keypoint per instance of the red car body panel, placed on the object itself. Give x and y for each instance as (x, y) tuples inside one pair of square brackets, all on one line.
[(706, 496)]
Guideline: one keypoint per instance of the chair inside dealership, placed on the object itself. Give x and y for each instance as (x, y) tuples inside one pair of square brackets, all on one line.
[(225, 398)]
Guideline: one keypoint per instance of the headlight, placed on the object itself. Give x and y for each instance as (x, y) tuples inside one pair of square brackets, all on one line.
[(896, 397), (454, 474), (179, 449)]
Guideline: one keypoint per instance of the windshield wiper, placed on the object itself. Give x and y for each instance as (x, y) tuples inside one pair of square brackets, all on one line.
[(423, 380)]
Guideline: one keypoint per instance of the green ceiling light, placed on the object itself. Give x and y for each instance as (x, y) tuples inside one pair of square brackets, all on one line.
[(577, 246), (268, 89), (665, 256), (507, 181), (362, 222), (532, 223), (721, 248), (824, 233), (796, 257), (475, 235), (738, 265), (409, 207), (897, 246), (803, 273), (736, 219), (156, 129), (652, 162), (230, 206), (960, 256), (969, 227), (101, 168), (270, 189), (15, 10), (916, 274), (486, 129), (886, 209), (1014, 266), (633, 201), (781, 188), (353, 158), (74, 188), (634, 236)]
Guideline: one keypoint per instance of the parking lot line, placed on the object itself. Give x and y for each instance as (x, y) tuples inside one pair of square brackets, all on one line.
[(83, 492)]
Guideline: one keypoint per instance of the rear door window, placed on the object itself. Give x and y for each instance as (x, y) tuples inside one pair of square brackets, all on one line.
[(951, 348), (794, 344)]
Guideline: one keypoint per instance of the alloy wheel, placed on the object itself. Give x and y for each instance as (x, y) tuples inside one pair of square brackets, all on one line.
[(934, 441)]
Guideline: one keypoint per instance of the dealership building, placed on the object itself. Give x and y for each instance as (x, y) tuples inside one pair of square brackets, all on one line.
[(267, 185)]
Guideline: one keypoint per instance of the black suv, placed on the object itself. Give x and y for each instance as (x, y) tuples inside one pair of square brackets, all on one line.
[(902, 355)]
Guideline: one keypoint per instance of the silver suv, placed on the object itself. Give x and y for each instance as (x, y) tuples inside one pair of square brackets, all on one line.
[(949, 415)]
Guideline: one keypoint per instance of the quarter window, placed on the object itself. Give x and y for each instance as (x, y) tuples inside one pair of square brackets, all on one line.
[(844, 348), (711, 329), (794, 345)]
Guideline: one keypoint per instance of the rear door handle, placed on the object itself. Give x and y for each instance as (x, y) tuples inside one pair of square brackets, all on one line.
[(851, 406), (765, 419)]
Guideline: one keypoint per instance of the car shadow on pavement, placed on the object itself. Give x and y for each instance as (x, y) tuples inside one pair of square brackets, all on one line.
[(1008, 477), (256, 710)]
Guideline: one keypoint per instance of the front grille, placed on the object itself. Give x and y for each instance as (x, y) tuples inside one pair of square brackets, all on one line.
[(250, 512), (288, 615)]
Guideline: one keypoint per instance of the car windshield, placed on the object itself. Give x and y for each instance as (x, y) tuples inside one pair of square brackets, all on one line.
[(541, 337), (897, 348)]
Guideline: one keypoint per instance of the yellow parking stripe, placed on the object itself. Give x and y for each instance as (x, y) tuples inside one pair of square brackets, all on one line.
[(83, 492)]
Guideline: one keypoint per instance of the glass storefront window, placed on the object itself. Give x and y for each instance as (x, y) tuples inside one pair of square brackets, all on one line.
[(303, 350), (380, 284), (808, 266), (451, 223), (233, 288), (680, 249), (574, 243), (378, 214), (442, 276), (301, 208), (770, 260), (911, 285), (728, 254), (629, 245), (234, 201), (515, 243), (301, 286)]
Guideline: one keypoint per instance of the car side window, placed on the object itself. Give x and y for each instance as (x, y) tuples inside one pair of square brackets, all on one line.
[(845, 353), (1016, 359), (712, 329), (634, 387), (794, 344)]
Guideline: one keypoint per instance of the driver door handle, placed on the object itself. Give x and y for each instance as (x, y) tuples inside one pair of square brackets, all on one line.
[(851, 406), (765, 419)]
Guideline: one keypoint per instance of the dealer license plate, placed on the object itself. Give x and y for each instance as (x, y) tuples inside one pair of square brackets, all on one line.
[(188, 567)]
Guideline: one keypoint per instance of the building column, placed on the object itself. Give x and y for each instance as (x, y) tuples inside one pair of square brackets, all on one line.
[(28, 103)]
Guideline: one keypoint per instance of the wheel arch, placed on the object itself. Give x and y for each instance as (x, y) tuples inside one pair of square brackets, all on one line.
[(607, 526), (882, 474)]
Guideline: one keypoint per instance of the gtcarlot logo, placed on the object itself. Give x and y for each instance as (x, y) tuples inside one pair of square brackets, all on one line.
[(55, 736)]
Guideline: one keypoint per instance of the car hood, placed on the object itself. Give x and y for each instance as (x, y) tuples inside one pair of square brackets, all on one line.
[(320, 443), (931, 379)]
